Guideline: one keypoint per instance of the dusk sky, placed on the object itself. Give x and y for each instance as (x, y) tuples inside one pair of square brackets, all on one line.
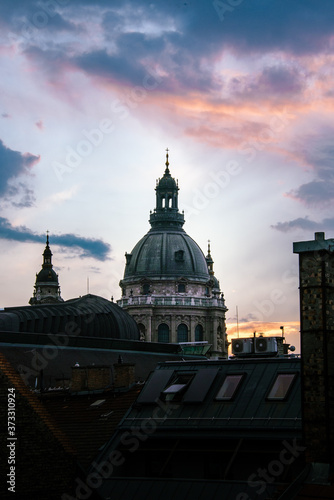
[(92, 94)]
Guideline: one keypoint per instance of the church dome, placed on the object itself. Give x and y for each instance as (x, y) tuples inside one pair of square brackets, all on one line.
[(166, 254)]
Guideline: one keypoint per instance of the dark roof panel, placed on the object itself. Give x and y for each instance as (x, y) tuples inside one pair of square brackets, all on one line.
[(92, 316)]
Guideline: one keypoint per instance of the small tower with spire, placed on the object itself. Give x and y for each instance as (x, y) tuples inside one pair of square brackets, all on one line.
[(46, 288), (166, 212)]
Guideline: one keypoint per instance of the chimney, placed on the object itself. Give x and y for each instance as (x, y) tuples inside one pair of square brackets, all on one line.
[(124, 374), (90, 378), (316, 288)]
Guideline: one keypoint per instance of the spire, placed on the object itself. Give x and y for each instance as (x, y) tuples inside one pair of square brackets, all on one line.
[(209, 260), (47, 254), (167, 172), (166, 212), (46, 289)]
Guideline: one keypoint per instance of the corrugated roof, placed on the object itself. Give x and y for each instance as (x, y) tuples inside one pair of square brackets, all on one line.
[(90, 315)]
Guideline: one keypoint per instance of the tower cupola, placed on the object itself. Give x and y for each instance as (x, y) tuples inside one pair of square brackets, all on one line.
[(46, 288), (166, 212)]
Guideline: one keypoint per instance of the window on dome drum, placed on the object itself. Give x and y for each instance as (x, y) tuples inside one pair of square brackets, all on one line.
[(199, 333), (163, 333), (181, 288), (229, 388), (146, 289), (175, 390), (182, 333), (281, 386)]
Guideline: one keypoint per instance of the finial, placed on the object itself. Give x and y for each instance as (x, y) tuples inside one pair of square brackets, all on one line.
[(47, 237), (209, 247), (167, 162)]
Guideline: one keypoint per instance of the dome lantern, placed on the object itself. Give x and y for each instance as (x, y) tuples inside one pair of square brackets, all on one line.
[(166, 212)]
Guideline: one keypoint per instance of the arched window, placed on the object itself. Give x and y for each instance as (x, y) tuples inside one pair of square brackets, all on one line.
[(142, 331), (182, 333), (146, 289), (199, 333), (163, 333)]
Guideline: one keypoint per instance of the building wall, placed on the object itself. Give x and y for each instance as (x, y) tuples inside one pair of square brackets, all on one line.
[(149, 312), (316, 268)]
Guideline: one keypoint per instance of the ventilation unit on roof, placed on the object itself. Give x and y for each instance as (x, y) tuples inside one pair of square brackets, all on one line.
[(267, 346), (242, 346)]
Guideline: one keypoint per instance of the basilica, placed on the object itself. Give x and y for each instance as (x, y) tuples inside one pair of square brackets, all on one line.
[(169, 286)]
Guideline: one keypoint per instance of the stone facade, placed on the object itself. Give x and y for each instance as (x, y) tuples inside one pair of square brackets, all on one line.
[(169, 286), (316, 270)]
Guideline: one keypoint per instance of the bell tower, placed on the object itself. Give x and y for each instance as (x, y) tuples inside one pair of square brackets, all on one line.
[(46, 288)]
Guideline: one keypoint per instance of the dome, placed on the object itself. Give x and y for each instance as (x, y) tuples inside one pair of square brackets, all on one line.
[(167, 181), (47, 276), (87, 316), (166, 254)]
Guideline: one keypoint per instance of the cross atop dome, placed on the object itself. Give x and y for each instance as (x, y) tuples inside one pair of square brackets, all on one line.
[(167, 172)]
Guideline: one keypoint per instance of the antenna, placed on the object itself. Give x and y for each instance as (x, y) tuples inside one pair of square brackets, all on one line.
[(237, 321)]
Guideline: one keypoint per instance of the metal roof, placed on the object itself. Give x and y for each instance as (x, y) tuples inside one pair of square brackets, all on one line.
[(90, 316), (249, 413), (162, 489)]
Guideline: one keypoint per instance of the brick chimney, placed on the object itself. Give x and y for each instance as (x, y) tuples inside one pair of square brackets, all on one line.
[(90, 378), (124, 374), (316, 280)]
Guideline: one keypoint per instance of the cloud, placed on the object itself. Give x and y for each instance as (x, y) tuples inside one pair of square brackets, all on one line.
[(316, 151), (316, 193), (12, 165), (305, 224), (5, 115), (279, 82), (88, 247)]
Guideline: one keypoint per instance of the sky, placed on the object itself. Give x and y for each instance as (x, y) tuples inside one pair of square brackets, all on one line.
[(92, 94)]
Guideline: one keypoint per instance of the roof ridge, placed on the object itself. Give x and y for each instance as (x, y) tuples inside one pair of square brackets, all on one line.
[(15, 378)]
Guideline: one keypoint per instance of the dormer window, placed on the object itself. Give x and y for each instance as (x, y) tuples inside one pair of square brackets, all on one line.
[(179, 256), (181, 288)]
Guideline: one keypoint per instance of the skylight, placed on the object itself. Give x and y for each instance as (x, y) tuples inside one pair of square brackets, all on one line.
[(97, 403), (281, 386), (229, 387), (176, 388)]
